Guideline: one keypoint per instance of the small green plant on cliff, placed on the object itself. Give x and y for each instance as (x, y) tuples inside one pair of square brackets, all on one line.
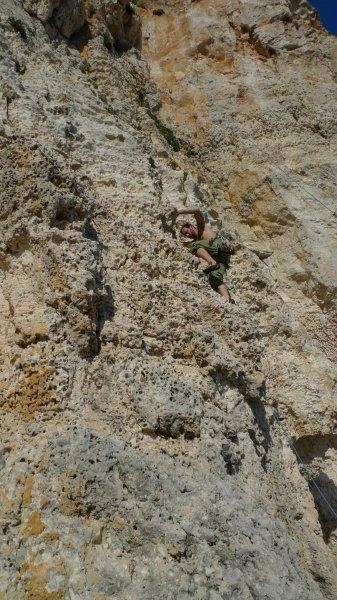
[(168, 134), (107, 41), (20, 28), (138, 3)]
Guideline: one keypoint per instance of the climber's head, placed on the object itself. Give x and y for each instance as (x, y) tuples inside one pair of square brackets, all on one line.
[(189, 230)]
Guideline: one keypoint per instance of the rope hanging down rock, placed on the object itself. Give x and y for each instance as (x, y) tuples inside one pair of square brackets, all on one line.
[(313, 196), (309, 479), (291, 174)]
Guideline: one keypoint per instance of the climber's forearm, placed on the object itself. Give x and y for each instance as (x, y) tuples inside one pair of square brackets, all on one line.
[(199, 217)]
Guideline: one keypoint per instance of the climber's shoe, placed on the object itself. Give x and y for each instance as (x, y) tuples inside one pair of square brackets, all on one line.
[(211, 268)]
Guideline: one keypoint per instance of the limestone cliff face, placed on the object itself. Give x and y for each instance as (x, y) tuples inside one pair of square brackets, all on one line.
[(152, 436)]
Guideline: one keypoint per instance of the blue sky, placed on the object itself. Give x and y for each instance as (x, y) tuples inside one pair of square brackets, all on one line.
[(328, 13)]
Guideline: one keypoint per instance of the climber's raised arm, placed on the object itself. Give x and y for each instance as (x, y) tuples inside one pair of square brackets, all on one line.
[(199, 217)]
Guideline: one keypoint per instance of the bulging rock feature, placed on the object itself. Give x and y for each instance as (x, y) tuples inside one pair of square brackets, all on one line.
[(157, 442), (79, 21)]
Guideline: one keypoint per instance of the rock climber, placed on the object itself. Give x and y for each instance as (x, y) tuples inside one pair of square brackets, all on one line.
[(206, 244)]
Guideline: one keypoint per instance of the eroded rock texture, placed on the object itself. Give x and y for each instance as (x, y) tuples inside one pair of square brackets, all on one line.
[(157, 443)]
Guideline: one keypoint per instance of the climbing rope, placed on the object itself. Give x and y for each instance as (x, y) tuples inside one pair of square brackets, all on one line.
[(291, 174), (287, 437), (310, 479), (313, 196)]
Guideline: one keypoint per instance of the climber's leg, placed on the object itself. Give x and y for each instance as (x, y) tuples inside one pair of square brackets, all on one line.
[(215, 272), (205, 255), (223, 291), (216, 279)]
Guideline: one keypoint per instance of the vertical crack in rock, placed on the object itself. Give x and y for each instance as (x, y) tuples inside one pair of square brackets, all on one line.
[(53, 280)]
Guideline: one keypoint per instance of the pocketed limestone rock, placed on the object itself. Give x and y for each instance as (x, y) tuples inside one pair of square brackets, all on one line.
[(44, 300), (169, 407), (42, 9), (152, 435)]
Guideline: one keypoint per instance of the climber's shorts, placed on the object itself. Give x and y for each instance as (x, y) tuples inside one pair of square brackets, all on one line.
[(193, 247), (214, 247), (216, 275)]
